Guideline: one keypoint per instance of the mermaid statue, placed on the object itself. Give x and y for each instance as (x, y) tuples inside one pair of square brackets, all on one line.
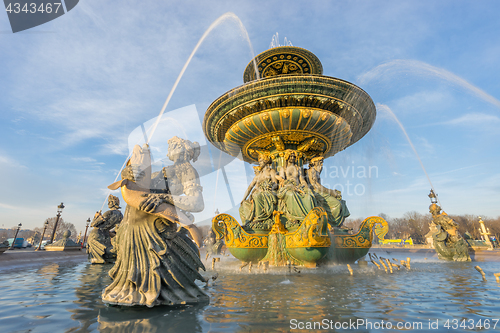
[(330, 200), (100, 241), (296, 200), (257, 212), (157, 261)]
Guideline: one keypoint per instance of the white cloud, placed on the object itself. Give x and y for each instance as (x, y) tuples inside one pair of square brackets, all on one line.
[(475, 119)]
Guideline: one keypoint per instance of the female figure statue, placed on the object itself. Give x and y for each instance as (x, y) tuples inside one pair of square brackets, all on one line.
[(258, 211), (330, 200), (295, 198), (157, 263)]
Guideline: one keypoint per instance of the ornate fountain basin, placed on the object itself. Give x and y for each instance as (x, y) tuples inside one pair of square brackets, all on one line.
[(309, 244), (310, 112)]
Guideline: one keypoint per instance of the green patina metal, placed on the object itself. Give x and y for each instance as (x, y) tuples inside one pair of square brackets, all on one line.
[(287, 117)]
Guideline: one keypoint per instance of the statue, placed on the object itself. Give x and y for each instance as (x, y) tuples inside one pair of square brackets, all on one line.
[(64, 244), (257, 213), (330, 200), (157, 263), (212, 244), (100, 247), (447, 241), (296, 200)]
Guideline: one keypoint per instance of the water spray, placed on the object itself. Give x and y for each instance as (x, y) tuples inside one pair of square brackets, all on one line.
[(388, 110), (222, 18), (383, 264), (482, 273)]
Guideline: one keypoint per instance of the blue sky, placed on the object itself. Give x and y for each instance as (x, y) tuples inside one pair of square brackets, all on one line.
[(72, 91)]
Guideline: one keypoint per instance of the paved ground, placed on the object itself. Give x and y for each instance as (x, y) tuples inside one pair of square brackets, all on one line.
[(22, 257)]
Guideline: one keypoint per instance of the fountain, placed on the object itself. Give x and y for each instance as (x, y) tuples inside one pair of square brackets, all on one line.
[(287, 115), (66, 296), (447, 241)]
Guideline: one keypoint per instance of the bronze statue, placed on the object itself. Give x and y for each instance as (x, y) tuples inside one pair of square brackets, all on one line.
[(447, 241), (296, 200), (100, 247), (157, 262), (330, 200), (257, 212)]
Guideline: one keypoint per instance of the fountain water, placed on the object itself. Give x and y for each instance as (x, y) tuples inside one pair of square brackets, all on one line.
[(385, 108), (275, 42), (421, 68), (150, 132)]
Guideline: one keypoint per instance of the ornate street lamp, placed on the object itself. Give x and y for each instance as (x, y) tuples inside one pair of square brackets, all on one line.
[(45, 225), (59, 211), (85, 235), (15, 237)]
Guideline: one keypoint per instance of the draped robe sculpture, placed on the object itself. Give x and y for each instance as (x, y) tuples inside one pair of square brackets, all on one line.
[(157, 262), (330, 200)]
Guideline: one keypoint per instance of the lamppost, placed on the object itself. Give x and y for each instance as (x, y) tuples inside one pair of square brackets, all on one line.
[(85, 234), (45, 225), (59, 211), (15, 237)]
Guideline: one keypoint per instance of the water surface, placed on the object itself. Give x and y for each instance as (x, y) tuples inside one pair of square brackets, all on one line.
[(65, 297)]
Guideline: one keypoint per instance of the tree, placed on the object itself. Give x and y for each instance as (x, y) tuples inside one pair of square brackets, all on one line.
[(353, 224), (62, 226)]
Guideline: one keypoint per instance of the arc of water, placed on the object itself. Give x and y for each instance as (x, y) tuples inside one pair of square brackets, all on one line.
[(387, 109), (422, 68), (212, 26), (218, 21)]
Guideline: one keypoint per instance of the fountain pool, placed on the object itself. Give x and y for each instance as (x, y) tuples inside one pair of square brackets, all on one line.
[(65, 297)]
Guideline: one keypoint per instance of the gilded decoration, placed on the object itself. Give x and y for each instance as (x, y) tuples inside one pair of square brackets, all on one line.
[(227, 228), (335, 127), (312, 232), (364, 237), (283, 60), (310, 144), (292, 128), (381, 229)]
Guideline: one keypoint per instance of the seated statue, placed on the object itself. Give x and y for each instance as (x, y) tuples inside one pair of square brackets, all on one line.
[(157, 263), (447, 241), (257, 212), (99, 244), (330, 200), (296, 200)]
